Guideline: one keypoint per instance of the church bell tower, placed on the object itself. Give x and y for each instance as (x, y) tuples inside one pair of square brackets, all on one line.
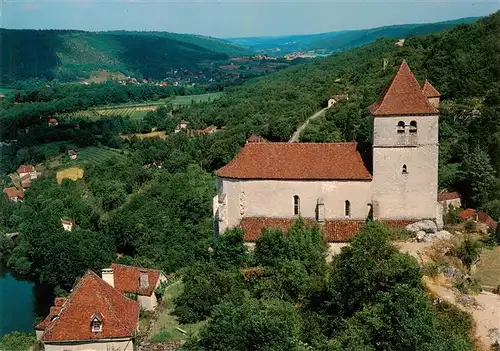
[(405, 150)]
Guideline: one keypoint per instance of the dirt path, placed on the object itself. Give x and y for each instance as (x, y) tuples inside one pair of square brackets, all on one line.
[(486, 314), (296, 136)]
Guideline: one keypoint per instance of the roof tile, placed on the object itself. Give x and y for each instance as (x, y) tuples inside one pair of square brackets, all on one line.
[(403, 96), (443, 196), (429, 91), (91, 295), (312, 161), (127, 279)]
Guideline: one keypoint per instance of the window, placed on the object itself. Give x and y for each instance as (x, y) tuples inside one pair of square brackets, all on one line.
[(95, 324), (347, 208), (413, 126), (296, 205), (405, 169), (401, 127)]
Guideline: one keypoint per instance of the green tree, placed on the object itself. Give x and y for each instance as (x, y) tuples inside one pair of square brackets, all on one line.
[(468, 252), (230, 250), (479, 173), (17, 341), (252, 324)]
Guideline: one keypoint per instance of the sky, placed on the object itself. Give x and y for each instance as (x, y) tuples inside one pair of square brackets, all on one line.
[(232, 18)]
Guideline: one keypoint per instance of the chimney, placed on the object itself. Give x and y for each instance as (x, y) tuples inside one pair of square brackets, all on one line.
[(143, 280), (108, 276)]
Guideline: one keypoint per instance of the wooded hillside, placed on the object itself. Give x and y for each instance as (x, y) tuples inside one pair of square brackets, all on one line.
[(69, 55)]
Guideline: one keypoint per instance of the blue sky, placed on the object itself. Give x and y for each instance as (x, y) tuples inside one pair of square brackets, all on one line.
[(231, 18)]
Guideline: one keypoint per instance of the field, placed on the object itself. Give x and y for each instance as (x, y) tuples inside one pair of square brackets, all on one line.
[(160, 134), (94, 154), (165, 327), (488, 268), (138, 111), (73, 173)]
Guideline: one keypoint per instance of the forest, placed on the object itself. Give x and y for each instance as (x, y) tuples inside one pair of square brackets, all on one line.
[(161, 216)]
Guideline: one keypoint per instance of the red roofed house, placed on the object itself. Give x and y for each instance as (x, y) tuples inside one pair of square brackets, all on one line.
[(68, 224), (271, 184), (447, 199), (484, 222), (52, 122), (13, 194), (181, 126), (135, 280), (24, 170), (25, 181), (95, 316), (336, 98)]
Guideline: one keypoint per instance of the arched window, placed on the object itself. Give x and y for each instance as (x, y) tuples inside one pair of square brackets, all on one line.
[(413, 126), (405, 170), (296, 205), (401, 127), (347, 208)]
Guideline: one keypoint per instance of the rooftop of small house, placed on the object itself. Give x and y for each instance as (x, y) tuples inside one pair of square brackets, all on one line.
[(12, 192), (92, 298), (445, 195), (25, 169), (127, 279)]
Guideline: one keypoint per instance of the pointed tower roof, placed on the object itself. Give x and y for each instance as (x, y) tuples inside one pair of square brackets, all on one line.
[(429, 91), (403, 96)]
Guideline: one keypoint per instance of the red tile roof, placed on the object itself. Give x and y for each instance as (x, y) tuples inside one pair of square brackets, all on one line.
[(25, 169), (92, 295), (312, 161), (467, 214), (429, 91), (127, 279), (337, 230), (443, 196), (403, 96), (52, 120), (484, 218), (12, 193)]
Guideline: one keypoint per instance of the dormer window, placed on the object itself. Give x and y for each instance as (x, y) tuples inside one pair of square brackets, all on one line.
[(413, 126), (401, 127), (95, 323)]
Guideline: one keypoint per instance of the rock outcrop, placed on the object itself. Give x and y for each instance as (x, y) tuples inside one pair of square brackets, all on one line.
[(426, 230)]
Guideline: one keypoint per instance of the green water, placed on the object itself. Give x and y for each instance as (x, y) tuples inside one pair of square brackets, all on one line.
[(21, 302)]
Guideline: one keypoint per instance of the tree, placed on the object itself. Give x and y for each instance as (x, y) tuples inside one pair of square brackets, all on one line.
[(230, 250), (17, 341), (252, 324), (468, 252), (478, 171), (205, 286)]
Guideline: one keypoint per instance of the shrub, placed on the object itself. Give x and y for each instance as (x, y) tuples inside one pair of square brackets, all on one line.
[(430, 269), (17, 341), (470, 226), (468, 252), (162, 336)]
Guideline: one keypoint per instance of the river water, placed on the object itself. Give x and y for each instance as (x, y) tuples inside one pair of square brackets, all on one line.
[(21, 302)]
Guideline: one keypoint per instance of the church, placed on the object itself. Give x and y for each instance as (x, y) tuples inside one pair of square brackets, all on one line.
[(270, 184)]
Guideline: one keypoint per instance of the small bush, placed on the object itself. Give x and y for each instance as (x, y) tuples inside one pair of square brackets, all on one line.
[(145, 314), (430, 269), (162, 336), (468, 252), (470, 226)]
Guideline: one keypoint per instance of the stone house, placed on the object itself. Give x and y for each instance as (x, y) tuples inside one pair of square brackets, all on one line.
[(24, 170), (95, 316), (52, 122), (13, 194), (135, 280), (447, 199), (68, 225), (271, 184), (336, 98), (183, 125), (482, 219), (72, 154)]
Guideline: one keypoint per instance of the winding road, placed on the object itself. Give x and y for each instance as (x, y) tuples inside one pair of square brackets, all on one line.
[(296, 136)]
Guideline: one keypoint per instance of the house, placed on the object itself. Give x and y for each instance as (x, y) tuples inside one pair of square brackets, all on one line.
[(255, 139), (13, 194), (72, 154), (24, 170), (208, 130), (94, 316), (52, 122), (336, 98), (68, 225), (481, 218), (271, 184), (25, 181), (135, 280), (447, 199), (183, 125), (400, 43)]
